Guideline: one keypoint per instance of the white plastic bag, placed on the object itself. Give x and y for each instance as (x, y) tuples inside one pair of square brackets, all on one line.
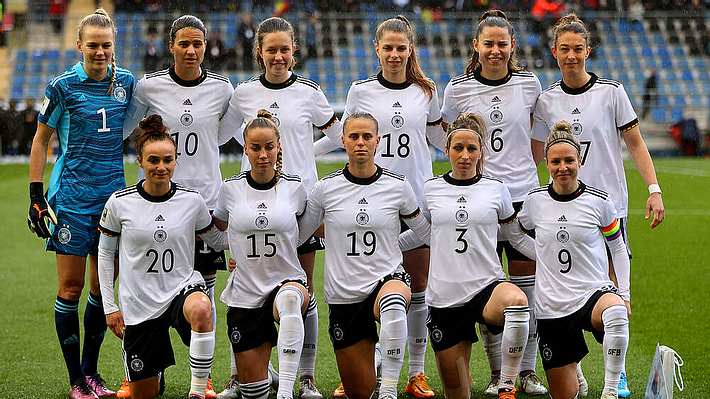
[(665, 372)]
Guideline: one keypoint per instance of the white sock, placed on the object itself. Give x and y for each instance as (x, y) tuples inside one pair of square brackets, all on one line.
[(417, 333), (393, 336), (255, 390), (307, 367), (616, 340), (201, 356), (527, 285), (491, 344), (514, 339), (288, 303)]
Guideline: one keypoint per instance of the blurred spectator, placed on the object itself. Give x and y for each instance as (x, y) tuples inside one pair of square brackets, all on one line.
[(216, 53), (10, 120), (153, 50), (311, 40), (29, 121), (650, 93), (636, 12), (56, 11), (245, 35)]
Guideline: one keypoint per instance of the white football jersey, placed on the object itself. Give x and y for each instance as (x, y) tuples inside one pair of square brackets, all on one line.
[(571, 253), (156, 246), (362, 224), (598, 112), (464, 234), (402, 112), (298, 104), (505, 106), (263, 235), (191, 110)]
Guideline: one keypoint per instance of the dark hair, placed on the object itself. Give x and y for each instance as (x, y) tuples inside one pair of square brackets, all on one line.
[(570, 23), (562, 133), (100, 19), (186, 21), (151, 128), (471, 122), (265, 120), (272, 25), (360, 115), (414, 72), (495, 19)]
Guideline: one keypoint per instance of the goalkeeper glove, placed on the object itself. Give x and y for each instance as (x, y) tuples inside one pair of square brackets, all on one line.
[(39, 212)]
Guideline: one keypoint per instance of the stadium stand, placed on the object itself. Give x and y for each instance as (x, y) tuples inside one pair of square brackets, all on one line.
[(341, 51)]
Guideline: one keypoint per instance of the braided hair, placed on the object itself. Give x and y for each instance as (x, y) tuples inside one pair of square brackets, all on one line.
[(100, 19), (264, 119)]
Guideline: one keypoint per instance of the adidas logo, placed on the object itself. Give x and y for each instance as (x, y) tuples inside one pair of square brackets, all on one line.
[(576, 111), (362, 201), (495, 99), (397, 105), (160, 218), (82, 97), (261, 206), (187, 102), (562, 219), (461, 200), (274, 106)]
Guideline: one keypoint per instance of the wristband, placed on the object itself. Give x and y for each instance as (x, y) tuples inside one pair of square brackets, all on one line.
[(36, 190), (654, 188)]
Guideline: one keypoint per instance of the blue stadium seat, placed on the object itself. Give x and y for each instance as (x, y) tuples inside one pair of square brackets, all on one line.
[(21, 56), (687, 75), (18, 81)]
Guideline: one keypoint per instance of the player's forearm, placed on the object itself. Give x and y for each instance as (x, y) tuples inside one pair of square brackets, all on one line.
[(436, 136), (622, 266), (521, 242), (641, 156), (38, 153), (538, 150), (324, 145), (106, 255)]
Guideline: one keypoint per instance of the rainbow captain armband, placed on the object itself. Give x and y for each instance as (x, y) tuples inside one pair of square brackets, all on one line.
[(612, 231)]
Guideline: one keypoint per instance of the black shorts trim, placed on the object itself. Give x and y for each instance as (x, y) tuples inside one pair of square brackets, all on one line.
[(313, 244), (248, 328), (561, 340), (450, 326), (353, 322), (207, 260), (147, 348)]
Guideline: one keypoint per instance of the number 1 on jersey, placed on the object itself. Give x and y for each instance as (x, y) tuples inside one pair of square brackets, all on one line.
[(104, 129)]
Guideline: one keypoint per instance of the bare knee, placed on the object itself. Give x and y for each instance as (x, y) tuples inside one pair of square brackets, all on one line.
[(198, 311), (518, 299), (70, 289)]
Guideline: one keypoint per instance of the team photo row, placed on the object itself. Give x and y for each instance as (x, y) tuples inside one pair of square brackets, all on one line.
[(412, 260)]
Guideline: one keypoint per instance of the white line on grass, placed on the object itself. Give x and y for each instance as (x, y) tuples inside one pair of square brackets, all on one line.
[(683, 171)]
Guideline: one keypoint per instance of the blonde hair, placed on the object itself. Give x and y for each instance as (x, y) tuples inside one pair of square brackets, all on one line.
[(562, 133), (264, 119), (414, 72), (100, 19), (470, 122), (495, 19)]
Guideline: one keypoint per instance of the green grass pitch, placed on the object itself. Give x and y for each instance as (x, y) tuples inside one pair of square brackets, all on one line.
[(670, 276)]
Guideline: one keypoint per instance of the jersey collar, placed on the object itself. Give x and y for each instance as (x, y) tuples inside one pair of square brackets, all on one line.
[(363, 181), (488, 82), (457, 182), (566, 197), (81, 73), (188, 83), (260, 186), (153, 198), (393, 86), (277, 86), (579, 90)]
